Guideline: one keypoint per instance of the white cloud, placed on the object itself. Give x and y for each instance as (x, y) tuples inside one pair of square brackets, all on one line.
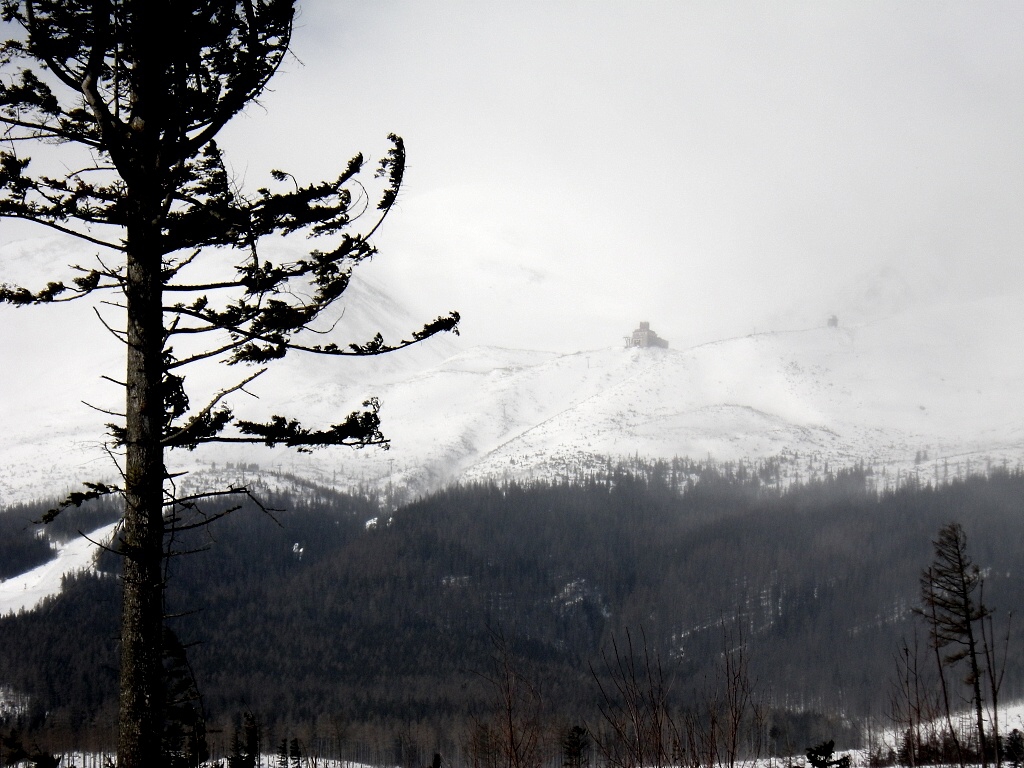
[(711, 167)]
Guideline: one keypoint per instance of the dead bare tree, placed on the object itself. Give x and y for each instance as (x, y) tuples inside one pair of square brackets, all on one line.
[(995, 667), (727, 729), (513, 737), (915, 710), (644, 730), (635, 707), (905, 700)]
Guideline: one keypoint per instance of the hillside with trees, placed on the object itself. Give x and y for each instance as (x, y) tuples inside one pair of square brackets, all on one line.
[(332, 619)]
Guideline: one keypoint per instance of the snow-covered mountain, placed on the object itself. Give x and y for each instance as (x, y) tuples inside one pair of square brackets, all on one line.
[(941, 384), (927, 390), (932, 391)]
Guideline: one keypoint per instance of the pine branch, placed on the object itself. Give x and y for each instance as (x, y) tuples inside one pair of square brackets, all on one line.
[(256, 347), (78, 498), (202, 423), (62, 229), (360, 428)]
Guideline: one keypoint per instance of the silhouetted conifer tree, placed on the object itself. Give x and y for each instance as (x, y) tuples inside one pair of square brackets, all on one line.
[(949, 606), (245, 744), (132, 94), (821, 756), (1015, 748), (576, 747)]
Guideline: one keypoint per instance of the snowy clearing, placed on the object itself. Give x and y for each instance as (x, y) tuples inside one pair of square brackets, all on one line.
[(25, 592)]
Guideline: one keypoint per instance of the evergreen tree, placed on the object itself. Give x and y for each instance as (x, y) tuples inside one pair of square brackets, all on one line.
[(132, 94), (12, 750), (821, 756), (1015, 748), (184, 725), (948, 604), (245, 744), (576, 747)]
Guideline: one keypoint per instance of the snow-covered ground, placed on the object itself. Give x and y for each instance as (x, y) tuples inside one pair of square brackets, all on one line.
[(104, 760), (858, 759), (25, 592)]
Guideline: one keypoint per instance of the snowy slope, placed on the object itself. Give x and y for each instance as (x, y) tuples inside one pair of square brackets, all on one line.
[(26, 591), (941, 381)]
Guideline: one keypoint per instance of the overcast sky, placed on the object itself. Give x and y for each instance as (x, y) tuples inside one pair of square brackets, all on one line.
[(712, 167)]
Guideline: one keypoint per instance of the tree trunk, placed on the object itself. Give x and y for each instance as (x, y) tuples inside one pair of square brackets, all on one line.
[(976, 682), (933, 618), (140, 166), (141, 685)]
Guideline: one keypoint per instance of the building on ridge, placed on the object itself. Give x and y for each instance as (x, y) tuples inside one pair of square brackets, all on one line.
[(645, 337)]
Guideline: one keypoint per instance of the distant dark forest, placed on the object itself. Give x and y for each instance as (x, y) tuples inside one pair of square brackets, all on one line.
[(314, 619)]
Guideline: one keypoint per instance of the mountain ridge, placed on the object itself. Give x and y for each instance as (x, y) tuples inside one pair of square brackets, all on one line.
[(937, 382)]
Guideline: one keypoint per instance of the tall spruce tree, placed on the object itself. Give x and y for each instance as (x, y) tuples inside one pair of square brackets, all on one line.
[(131, 94), (951, 609)]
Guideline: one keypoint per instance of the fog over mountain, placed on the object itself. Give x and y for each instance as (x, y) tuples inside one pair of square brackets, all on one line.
[(714, 167), (933, 390)]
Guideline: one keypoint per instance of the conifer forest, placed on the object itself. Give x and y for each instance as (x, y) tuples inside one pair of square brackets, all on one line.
[(649, 606)]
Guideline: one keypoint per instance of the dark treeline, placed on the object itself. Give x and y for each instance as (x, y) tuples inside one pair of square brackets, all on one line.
[(319, 622)]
